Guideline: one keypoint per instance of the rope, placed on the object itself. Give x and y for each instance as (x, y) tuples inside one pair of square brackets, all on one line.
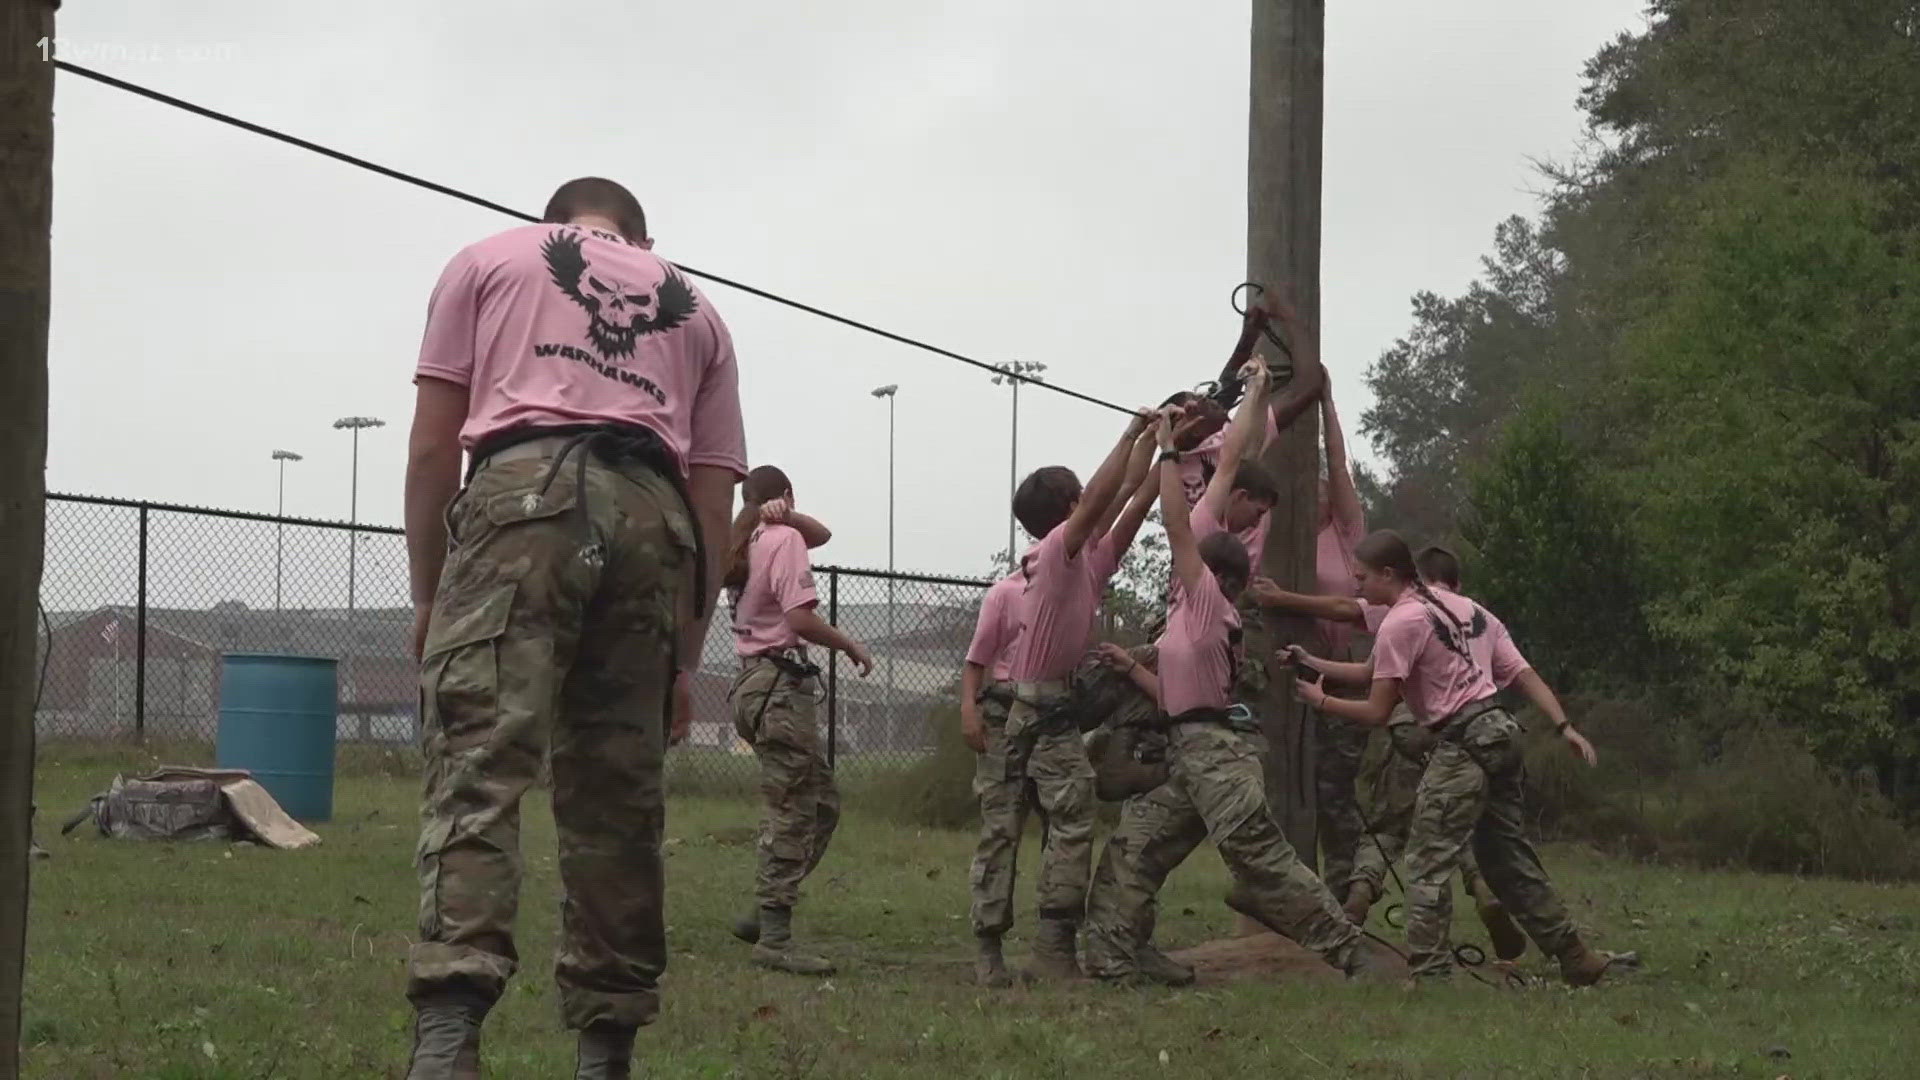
[(467, 197)]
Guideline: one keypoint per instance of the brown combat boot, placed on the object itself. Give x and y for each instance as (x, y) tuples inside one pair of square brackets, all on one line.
[(446, 1040), (1360, 898), (1158, 967), (1508, 941), (990, 966), (604, 1053), (1581, 966), (1053, 950), (775, 949)]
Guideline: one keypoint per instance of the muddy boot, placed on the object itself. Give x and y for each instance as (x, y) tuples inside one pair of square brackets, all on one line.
[(1053, 950), (1161, 968), (1581, 966), (775, 947), (1360, 898), (1508, 941), (446, 1040), (747, 927), (604, 1054), (1365, 964), (990, 966)]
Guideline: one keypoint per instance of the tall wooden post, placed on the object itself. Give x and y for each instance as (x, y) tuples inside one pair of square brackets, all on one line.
[(1283, 246), (26, 180)]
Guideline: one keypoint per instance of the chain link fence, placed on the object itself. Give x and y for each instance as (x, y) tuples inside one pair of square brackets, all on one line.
[(141, 601)]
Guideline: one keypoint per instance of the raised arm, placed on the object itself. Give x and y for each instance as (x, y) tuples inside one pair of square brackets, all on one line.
[(1342, 496), (1101, 489), (1139, 463), (1146, 493), (1242, 432), (1175, 517), (1309, 374), (781, 512)]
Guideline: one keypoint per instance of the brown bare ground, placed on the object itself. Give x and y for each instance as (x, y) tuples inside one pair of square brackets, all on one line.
[(1267, 956)]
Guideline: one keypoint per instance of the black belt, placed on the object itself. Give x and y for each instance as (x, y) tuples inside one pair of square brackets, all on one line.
[(1236, 717), (799, 670), (793, 663), (615, 445)]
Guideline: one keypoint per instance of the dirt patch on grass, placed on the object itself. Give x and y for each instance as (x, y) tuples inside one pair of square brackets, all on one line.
[(1268, 957)]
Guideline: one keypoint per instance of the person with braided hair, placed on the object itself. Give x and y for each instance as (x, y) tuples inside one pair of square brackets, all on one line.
[(1471, 789), (1215, 788)]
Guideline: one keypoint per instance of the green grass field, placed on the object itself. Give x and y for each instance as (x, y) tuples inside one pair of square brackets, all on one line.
[(215, 961)]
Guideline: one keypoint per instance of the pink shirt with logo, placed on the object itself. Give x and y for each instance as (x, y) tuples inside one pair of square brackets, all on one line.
[(779, 580), (1196, 652), (1427, 652), (1488, 641), (560, 324), (998, 627), (1058, 605)]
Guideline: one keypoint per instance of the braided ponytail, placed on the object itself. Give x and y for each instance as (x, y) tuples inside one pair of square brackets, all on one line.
[(1388, 551)]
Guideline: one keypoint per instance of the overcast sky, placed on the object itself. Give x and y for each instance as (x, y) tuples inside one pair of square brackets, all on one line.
[(1062, 182)]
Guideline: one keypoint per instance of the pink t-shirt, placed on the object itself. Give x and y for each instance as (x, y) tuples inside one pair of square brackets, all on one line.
[(998, 627), (1197, 652), (560, 324), (1058, 605), (1198, 464), (1429, 655), (1333, 576), (779, 580), (1488, 641)]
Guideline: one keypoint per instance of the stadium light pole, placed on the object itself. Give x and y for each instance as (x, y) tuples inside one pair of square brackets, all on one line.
[(1010, 375), (354, 424), (889, 392), (280, 527)]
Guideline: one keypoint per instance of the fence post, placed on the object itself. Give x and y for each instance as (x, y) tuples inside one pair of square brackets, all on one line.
[(140, 640), (833, 666)]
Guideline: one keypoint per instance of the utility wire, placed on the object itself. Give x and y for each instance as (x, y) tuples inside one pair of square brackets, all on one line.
[(456, 193)]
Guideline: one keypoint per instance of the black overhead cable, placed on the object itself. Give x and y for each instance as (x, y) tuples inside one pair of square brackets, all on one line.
[(455, 193)]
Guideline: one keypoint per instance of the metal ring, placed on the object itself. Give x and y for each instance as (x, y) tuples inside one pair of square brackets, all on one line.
[(1233, 298), (1394, 915)]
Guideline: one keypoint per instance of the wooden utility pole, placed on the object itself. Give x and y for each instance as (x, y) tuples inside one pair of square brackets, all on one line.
[(1283, 246), (26, 177)]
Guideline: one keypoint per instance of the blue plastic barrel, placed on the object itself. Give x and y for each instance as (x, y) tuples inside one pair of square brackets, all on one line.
[(277, 717)]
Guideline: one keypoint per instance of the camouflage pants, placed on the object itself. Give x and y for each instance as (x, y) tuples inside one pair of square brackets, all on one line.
[(1156, 832), (1031, 764), (538, 653), (1339, 746), (1471, 794), (774, 712), (1391, 815), (1217, 790)]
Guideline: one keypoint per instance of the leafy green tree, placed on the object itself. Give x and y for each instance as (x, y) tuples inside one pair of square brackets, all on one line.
[(1553, 557), (1778, 480)]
